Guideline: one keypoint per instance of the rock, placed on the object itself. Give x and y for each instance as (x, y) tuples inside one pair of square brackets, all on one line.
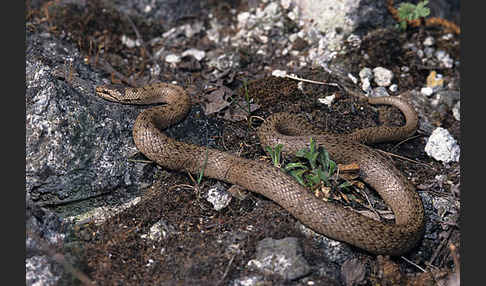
[(327, 100), (427, 91), (218, 197), (429, 41), (43, 229), (160, 230), (456, 111), (379, 91), (172, 58), (365, 73), (444, 59), (382, 76), (197, 54), (39, 271), (76, 144), (282, 257), (442, 146)]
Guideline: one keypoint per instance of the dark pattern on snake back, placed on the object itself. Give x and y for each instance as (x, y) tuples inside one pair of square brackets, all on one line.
[(327, 218)]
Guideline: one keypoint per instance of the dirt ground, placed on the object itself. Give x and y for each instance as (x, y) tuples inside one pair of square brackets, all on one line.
[(196, 250)]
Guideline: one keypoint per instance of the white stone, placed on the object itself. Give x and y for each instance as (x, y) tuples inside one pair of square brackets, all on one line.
[(429, 41), (382, 76), (442, 146), (456, 111), (218, 198), (197, 54), (327, 100), (172, 59), (365, 73), (427, 91), (279, 73)]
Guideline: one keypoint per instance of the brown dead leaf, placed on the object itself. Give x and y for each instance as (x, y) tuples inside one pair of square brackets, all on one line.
[(348, 171), (353, 167), (216, 101)]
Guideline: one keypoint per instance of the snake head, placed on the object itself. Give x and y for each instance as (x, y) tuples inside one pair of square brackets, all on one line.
[(111, 92)]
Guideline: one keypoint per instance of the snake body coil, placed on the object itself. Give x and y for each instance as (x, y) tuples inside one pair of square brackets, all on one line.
[(294, 133)]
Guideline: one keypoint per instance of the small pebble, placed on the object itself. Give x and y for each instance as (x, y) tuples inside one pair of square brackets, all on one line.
[(197, 54), (366, 85), (279, 73), (444, 59), (382, 76), (327, 100), (427, 91), (172, 59), (352, 78), (429, 52), (379, 91), (429, 41), (365, 73), (456, 111)]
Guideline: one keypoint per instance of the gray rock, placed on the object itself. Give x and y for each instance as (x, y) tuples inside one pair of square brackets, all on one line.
[(444, 59), (442, 146), (282, 257), (44, 230), (366, 73), (379, 91), (38, 271), (77, 145)]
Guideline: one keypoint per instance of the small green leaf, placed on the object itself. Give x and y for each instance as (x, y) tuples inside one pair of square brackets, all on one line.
[(291, 166), (332, 167), (297, 174), (313, 179), (301, 153), (324, 177)]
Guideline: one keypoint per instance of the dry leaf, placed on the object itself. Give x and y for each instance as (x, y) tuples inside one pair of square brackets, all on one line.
[(216, 100)]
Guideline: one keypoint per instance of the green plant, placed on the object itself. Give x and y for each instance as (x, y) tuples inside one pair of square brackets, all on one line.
[(315, 168), (275, 154), (409, 12), (201, 173)]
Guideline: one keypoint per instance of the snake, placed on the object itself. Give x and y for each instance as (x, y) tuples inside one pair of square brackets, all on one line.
[(170, 104)]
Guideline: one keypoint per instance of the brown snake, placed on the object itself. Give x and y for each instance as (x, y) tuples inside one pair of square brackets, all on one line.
[(329, 219)]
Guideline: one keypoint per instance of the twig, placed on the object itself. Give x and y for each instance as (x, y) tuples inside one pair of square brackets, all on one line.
[(404, 158), (294, 77), (139, 37), (181, 186), (413, 263), (405, 140), (226, 270), (139, 161), (109, 69)]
